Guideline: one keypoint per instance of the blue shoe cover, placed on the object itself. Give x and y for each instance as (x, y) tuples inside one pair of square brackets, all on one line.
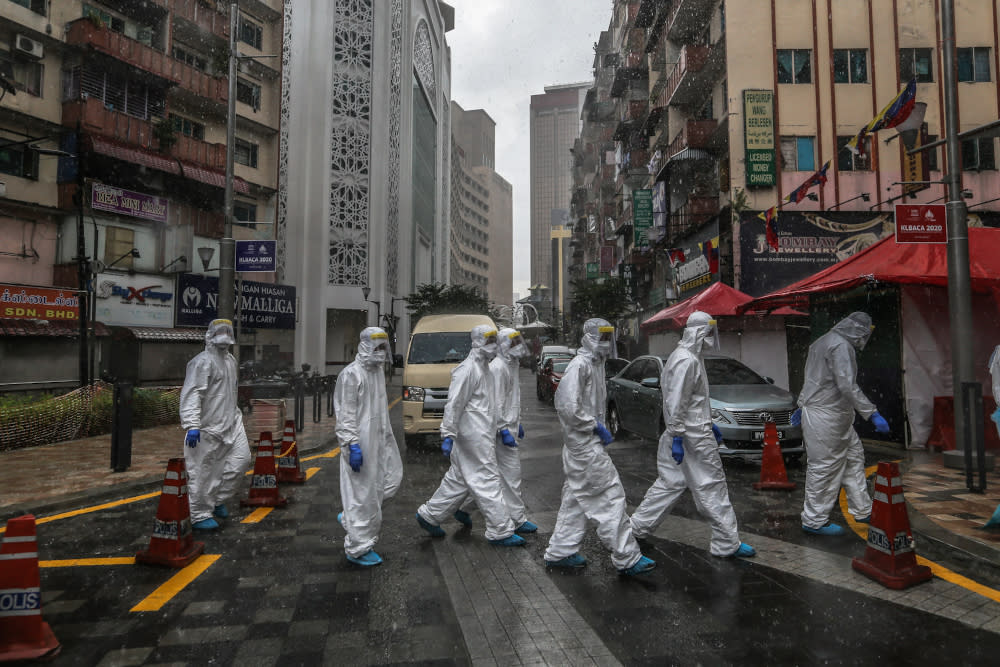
[(340, 520), (828, 529), (865, 519), (745, 551), (463, 518), (205, 524), (369, 559), (642, 565), (572, 561), (221, 512), (512, 541), (526, 527), (435, 531)]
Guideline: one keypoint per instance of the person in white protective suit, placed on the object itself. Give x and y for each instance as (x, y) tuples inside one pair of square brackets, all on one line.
[(688, 454), (830, 396), (994, 368), (468, 430), (370, 466), (217, 453), (507, 391), (592, 490)]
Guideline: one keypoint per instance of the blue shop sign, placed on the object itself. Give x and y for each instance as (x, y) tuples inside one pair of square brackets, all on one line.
[(260, 305)]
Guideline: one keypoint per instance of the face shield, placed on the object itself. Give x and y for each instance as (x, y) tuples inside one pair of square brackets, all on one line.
[(485, 337), (599, 338), (703, 326), (220, 333), (373, 349), (514, 343)]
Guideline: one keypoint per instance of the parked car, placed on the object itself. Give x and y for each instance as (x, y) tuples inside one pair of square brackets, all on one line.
[(742, 401), (549, 351), (547, 379), (613, 367)]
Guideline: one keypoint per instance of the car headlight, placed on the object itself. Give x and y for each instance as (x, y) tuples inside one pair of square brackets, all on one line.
[(719, 416), (413, 394)]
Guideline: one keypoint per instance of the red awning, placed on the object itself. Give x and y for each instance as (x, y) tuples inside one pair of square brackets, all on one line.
[(895, 263), (153, 160), (718, 300), (10, 326), (161, 334)]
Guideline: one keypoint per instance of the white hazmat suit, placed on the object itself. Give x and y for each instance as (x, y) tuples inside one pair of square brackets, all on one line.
[(687, 414), (218, 459), (592, 489), (362, 410), (994, 368), (470, 422), (830, 396)]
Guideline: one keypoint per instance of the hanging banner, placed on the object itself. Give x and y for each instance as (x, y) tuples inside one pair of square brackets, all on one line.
[(921, 223), (256, 255), (642, 217), (38, 303), (758, 138)]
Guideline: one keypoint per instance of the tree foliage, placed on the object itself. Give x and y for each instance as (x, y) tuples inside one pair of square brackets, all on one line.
[(590, 298), (441, 299)]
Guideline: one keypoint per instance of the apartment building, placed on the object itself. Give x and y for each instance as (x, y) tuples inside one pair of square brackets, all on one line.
[(113, 124)]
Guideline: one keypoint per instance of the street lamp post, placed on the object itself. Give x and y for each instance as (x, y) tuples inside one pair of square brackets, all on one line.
[(365, 291), (82, 265), (227, 247)]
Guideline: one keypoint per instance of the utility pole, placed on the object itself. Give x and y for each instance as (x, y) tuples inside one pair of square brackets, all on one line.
[(82, 265), (227, 248)]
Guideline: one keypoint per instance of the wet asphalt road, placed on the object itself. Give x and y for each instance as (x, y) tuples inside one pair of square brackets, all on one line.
[(281, 591)]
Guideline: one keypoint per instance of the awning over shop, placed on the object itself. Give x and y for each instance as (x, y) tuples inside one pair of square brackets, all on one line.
[(52, 328), (719, 300), (161, 335), (126, 153)]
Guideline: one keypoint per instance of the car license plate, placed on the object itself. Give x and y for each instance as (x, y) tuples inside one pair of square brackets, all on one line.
[(759, 435)]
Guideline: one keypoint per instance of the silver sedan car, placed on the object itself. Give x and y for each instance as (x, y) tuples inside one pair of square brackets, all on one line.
[(742, 401)]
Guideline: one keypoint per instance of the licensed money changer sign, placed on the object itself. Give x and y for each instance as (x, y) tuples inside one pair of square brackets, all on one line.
[(758, 138), (642, 216)]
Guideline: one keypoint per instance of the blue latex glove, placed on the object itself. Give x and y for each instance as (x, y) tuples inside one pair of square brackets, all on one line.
[(717, 433), (506, 438), (355, 459), (604, 434), (881, 425), (796, 418), (677, 449), (193, 438), (520, 428), (996, 415), (446, 446)]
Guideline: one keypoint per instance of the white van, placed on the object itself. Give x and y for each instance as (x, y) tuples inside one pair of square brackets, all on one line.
[(438, 344)]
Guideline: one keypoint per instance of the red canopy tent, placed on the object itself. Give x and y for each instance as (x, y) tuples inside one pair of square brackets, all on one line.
[(891, 262), (718, 300)]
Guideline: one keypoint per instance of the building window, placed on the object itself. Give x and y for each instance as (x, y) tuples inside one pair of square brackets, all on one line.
[(118, 241), (248, 92), (794, 66), (129, 96), (37, 6), (246, 153), (188, 57), (978, 155), (848, 161), (916, 63), (244, 213), (19, 161), (26, 75), (974, 64), (188, 127), (798, 153), (250, 32), (850, 65)]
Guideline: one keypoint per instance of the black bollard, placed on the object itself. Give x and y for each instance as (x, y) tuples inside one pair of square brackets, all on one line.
[(300, 406), (121, 427), (331, 382), (317, 402)]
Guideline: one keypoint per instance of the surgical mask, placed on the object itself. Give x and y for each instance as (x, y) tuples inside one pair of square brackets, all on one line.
[(379, 355), (604, 347), (490, 349)]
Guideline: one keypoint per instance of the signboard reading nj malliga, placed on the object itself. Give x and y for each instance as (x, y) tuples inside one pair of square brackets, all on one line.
[(261, 305)]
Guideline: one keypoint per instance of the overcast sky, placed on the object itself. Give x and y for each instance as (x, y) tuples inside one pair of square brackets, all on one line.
[(505, 51)]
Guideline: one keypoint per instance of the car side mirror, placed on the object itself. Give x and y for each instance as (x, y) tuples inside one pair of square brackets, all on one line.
[(397, 361), (652, 383), (768, 380)]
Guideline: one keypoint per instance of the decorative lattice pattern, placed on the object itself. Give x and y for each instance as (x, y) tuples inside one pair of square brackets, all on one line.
[(423, 60), (395, 102), (281, 215), (350, 142)]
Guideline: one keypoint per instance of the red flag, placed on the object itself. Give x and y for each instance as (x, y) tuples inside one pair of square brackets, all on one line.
[(770, 218)]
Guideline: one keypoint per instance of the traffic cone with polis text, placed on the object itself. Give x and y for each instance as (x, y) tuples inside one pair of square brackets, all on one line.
[(172, 543), (264, 483), (288, 459), (23, 633), (772, 466), (889, 557)]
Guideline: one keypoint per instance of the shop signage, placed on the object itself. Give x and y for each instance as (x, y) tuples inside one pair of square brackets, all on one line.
[(758, 138), (921, 223), (593, 270), (143, 300), (607, 258), (628, 281), (256, 255), (125, 202), (38, 303), (642, 217), (260, 306)]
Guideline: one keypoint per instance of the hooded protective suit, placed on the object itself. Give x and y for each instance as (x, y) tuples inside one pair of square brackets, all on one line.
[(687, 412), (470, 420), (592, 489), (218, 461), (362, 410), (829, 398), (994, 369)]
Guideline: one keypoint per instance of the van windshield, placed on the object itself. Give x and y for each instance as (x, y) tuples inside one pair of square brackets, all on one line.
[(445, 347)]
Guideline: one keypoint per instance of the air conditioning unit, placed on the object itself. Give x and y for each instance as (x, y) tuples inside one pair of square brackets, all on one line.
[(28, 47)]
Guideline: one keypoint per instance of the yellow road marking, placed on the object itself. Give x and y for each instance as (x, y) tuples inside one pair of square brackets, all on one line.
[(393, 404), (77, 562), (940, 571), (95, 508), (328, 455), (176, 583), (310, 472), (257, 515)]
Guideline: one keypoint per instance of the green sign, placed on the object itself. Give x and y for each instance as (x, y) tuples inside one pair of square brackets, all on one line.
[(593, 270), (642, 217), (758, 138)]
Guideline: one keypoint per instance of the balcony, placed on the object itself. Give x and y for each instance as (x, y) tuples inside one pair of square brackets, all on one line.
[(694, 137), (85, 34), (694, 213), (200, 14), (688, 19)]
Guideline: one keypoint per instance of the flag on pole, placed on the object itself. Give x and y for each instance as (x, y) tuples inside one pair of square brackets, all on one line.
[(676, 255), (710, 249), (818, 178), (892, 115), (770, 218)]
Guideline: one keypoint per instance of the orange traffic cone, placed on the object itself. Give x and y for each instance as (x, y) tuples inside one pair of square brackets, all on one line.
[(264, 484), (889, 558), (23, 633), (172, 543), (288, 459), (772, 466)]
